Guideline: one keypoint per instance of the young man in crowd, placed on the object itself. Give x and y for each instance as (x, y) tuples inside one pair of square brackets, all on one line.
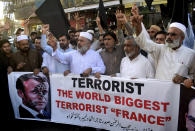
[(112, 54), (160, 37)]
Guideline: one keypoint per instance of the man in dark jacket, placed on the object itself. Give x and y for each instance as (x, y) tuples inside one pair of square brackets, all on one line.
[(25, 59)]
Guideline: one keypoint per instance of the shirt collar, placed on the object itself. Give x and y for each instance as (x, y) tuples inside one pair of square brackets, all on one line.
[(136, 58)]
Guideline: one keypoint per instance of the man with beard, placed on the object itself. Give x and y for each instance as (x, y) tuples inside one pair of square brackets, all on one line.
[(33, 90), (173, 61), (25, 59), (84, 61), (135, 65), (49, 63)]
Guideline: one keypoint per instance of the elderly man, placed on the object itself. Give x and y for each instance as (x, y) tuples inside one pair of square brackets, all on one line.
[(135, 65), (173, 61), (25, 59), (38, 45), (83, 61)]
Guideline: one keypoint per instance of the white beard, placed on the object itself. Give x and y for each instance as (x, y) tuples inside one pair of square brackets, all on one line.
[(174, 44), (130, 54), (83, 49)]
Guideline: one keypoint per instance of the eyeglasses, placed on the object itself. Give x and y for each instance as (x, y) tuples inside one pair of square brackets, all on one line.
[(171, 34)]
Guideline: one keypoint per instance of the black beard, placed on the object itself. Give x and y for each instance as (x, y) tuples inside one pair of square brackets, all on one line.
[(25, 50)]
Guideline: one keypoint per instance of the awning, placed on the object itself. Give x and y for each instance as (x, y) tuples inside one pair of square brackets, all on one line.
[(129, 3), (94, 6)]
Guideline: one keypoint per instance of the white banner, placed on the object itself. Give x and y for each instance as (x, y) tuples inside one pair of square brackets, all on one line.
[(115, 103), (108, 103)]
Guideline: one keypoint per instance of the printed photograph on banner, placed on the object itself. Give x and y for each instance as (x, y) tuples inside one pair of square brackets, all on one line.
[(186, 121), (30, 95)]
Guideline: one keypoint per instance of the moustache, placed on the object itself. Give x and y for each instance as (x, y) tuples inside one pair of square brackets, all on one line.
[(169, 40)]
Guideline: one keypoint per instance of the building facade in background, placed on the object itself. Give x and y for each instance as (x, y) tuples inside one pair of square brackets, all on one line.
[(88, 10)]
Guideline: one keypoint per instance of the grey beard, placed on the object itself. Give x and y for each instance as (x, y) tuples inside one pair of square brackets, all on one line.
[(83, 49), (130, 54), (174, 44)]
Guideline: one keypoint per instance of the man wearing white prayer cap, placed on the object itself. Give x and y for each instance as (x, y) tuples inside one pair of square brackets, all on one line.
[(179, 26), (84, 42), (23, 43), (22, 37), (86, 35), (25, 59), (172, 60), (83, 61)]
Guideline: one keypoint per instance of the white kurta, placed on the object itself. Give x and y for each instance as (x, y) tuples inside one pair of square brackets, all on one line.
[(168, 61), (79, 63), (139, 67), (53, 65)]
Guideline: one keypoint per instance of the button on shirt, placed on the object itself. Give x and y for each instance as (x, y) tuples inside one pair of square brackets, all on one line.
[(79, 63), (139, 67)]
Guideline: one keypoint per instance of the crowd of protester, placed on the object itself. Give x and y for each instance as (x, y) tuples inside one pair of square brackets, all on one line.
[(141, 53)]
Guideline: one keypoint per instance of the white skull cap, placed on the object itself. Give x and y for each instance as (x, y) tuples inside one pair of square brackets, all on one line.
[(86, 35), (22, 37), (179, 26)]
